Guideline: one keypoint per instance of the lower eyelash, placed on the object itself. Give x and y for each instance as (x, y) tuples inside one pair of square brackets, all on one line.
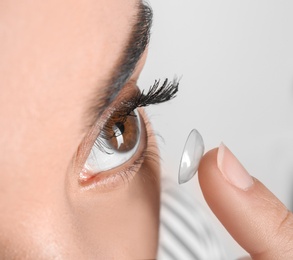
[(130, 172), (147, 155), (126, 175)]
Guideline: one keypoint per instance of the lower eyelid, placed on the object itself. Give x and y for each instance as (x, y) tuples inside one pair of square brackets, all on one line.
[(114, 180)]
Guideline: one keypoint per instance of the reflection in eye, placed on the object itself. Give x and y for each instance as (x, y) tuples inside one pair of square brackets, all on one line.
[(121, 136), (116, 144)]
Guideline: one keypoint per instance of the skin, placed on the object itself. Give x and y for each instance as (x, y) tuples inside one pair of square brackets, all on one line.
[(55, 56)]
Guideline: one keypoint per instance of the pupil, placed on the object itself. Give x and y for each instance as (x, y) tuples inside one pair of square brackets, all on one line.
[(119, 129)]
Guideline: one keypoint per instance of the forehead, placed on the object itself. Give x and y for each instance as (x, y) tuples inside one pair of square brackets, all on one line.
[(48, 34)]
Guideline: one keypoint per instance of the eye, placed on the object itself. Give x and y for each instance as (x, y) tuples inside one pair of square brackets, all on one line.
[(117, 142), (121, 147)]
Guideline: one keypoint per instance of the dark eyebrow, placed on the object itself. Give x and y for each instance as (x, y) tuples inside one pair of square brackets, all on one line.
[(137, 43)]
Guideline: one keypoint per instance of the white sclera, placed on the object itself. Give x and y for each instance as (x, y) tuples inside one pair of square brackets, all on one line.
[(191, 156)]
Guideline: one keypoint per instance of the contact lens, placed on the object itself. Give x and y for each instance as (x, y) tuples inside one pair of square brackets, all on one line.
[(191, 156)]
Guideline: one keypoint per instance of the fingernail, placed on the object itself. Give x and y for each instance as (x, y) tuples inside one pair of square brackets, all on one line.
[(232, 169)]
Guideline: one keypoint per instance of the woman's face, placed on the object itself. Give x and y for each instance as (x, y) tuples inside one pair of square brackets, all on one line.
[(66, 67)]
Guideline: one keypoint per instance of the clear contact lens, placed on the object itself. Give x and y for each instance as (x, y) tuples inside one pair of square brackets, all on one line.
[(191, 156)]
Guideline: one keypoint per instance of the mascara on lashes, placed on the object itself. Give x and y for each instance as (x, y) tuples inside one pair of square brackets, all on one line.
[(156, 95)]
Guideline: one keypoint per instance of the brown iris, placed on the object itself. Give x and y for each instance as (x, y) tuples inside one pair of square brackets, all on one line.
[(123, 133)]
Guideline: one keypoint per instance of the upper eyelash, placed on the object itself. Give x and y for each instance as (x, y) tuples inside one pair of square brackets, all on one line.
[(156, 95)]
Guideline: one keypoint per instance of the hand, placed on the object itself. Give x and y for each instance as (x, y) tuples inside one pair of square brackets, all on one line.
[(255, 218)]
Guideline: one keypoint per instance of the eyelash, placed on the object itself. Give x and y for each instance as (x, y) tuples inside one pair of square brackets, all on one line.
[(156, 95)]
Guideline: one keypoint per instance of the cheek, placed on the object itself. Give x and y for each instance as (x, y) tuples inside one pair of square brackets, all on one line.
[(123, 222)]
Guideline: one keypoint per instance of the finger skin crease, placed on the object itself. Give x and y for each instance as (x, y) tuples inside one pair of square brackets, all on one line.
[(281, 246)]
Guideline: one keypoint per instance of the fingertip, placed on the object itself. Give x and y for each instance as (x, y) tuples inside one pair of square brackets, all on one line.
[(208, 161), (245, 208), (208, 158), (207, 168)]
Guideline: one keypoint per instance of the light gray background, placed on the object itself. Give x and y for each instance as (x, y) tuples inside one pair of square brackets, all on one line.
[(236, 59)]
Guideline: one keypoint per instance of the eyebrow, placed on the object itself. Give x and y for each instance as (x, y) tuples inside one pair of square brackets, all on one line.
[(137, 43)]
